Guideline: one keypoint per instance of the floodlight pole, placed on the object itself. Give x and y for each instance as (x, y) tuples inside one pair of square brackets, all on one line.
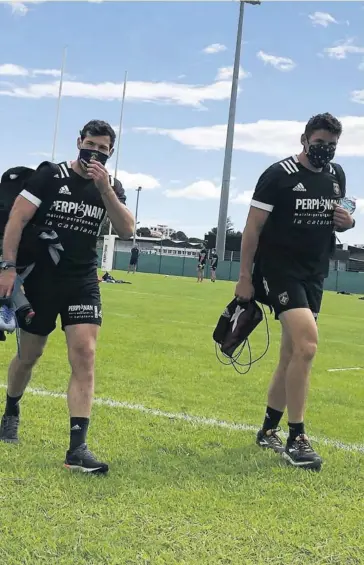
[(225, 185)]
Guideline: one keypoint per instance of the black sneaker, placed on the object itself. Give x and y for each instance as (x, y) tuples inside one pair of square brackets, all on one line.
[(81, 459), (9, 429), (299, 453), (270, 440)]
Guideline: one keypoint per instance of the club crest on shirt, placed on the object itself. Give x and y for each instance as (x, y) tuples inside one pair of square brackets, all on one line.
[(336, 188), (283, 298)]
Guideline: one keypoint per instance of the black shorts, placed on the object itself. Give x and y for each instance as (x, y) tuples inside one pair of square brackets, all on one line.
[(133, 262), (285, 292), (213, 268), (76, 302)]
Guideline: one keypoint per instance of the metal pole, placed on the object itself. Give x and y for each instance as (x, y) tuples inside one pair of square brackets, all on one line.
[(225, 185), (119, 135), (136, 213), (120, 125), (59, 103)]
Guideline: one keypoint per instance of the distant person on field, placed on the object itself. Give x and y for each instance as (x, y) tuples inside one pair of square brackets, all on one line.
[(289, 237), (202, 258), (108, 278), (214, 260), (134, 257)]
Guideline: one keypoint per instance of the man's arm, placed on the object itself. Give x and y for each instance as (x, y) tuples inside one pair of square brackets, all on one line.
[(262, 204), (120, 217), (250, 239), (113, 198)]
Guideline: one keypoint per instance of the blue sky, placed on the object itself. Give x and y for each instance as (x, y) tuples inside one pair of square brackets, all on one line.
[(298, 59)]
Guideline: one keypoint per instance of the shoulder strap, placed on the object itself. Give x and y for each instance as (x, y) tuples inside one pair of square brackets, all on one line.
[(340, 177)]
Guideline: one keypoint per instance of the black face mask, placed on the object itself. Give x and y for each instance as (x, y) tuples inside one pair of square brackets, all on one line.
[(320, 155), (87, 155)]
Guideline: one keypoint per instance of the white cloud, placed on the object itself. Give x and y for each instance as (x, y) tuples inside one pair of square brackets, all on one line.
[(18, 8), (8, 69), (243, 197), (172, 93), (199, 190), (214, 48), (322, 19), (343, 49), (280, 63), (226, 73), (276, 138), (134, 180), (46, 72), (357, 96)]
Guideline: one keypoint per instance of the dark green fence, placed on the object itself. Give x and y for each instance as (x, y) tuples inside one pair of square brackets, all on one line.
[(227, 270)]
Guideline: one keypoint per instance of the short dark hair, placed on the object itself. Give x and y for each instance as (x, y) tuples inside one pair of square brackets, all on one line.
[(98, 127), (323, 121)]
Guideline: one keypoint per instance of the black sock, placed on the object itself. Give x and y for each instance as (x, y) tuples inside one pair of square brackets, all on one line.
[(79, 427), (12, 405), (296, 430), (272, 419)]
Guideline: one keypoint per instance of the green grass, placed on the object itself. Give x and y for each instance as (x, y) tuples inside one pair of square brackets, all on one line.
[(179, 492)]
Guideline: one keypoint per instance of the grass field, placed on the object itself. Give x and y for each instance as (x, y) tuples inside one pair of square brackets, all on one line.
[(179, 491)]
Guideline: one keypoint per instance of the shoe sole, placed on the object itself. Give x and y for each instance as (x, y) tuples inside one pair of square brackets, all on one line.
[(93, 471), (309, 466)]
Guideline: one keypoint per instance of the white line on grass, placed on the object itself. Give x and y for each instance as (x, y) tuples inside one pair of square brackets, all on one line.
[(197, 420), (345, 369)]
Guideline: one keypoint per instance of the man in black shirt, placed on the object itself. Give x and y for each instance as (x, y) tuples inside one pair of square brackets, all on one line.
[(214, 259), (134, 256), (202, 258), (74, 204), (288, 235)]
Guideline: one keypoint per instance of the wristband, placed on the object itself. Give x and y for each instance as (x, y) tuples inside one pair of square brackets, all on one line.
[(5, 265)]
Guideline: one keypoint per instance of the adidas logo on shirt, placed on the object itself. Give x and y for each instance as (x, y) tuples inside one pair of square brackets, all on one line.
[(299, 188), (64, 190)]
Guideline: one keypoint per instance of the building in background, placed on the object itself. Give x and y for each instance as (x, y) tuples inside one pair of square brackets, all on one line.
[(161, 231), (155, 245)]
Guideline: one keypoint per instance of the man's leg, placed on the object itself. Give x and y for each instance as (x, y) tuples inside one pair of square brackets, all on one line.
[(267, 437), (81, 342), (19, 375), (300, 324)]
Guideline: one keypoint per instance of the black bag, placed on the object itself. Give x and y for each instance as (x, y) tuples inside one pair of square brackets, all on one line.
[(236, 324), (11, 185)]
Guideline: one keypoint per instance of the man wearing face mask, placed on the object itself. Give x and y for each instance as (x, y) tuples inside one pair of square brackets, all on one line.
[(74, 204), (288, 237)]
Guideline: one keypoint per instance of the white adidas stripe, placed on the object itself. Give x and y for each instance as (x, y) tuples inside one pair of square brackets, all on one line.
[(64, 170), (289, 166), (197, 420)]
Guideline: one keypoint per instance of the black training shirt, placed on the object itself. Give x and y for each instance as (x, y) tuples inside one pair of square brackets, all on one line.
[(297, 236), (74, 210)]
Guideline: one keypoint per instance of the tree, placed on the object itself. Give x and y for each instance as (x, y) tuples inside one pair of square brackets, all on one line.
[(229, 227), (144, 232), (181, 236)]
